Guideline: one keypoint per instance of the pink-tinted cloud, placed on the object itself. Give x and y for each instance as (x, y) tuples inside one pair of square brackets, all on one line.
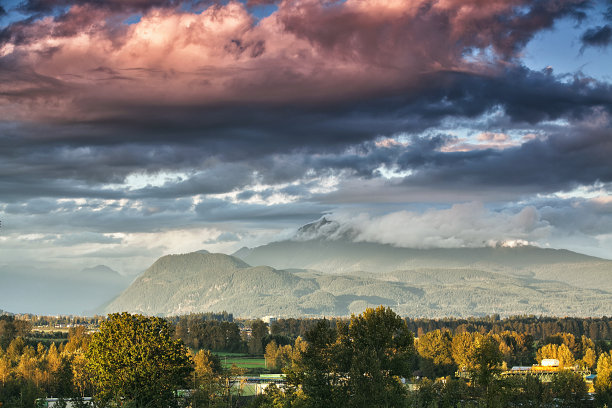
[(308, 51)]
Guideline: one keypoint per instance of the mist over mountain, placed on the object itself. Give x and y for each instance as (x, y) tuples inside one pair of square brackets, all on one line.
[(322, 273), (54, 291), (329, 247)]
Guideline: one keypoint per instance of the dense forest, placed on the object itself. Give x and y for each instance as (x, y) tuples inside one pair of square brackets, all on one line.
[(321, 359), (537, 327)]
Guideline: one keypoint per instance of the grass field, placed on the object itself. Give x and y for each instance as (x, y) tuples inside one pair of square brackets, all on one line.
[(246, 361)]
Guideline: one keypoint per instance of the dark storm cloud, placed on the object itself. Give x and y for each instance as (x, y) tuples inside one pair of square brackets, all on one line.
[(79, 129), (282, 144), (608, 12), (213, 210), (68, 221), (559, 163), (256, 138), (525, 96), (597, 37), (35, 206)]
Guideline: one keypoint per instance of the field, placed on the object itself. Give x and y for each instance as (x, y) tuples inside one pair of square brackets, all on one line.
[(246, 361)]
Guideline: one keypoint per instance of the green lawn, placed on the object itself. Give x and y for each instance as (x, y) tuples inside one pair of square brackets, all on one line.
[(245, 361)]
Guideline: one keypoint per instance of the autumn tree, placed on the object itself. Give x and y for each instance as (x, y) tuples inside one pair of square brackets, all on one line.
[(206, 378), (435, 350), (559, 352), (5, 369), (485, 360), (134, 360), (590, 358), (603, 382), (277, 357), (461, 348)]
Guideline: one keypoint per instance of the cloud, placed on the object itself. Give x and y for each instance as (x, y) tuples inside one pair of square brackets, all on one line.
[(223, 237), (560, 162), (35, 206), (160, 117), (89, 101), (560, 158), (462, 225), (305, 52), (81, 238), (568, 223), (600, 36), (214, 210)]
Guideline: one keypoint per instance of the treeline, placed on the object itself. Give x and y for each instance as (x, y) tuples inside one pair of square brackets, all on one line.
[(441, 354), (10, 328), (537, 327), (198, 333), (218, 332), (208, 316), (69, 320)]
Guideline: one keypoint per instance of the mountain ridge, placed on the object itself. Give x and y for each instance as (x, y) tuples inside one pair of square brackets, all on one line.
[(431, 283)]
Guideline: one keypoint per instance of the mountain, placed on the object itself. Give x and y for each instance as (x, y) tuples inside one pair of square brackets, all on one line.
[(197, 281), (340, 256), (318, 277), (46, 291)]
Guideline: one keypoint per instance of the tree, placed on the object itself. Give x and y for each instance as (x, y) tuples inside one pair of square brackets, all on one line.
[(316, 371), (10, 329), (259, 330), (271, 355), (559, 352), (461, 349), (206, 378), (590, 358), (81, 379), (5, 369), (435, 350), (278, 357), (485, 361), (359, 364), (134, 358), (603, 382), (382, 349), (569, 389)]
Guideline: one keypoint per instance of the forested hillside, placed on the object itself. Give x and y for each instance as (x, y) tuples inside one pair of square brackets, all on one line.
[(416, 283)]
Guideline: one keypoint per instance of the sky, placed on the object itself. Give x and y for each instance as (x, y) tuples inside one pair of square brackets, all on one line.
[(131, 129)]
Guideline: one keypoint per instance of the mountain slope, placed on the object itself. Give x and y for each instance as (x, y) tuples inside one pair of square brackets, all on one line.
[(340, 256), (200, 282)]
